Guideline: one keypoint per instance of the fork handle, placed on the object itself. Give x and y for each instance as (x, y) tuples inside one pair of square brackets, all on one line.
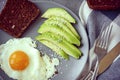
[(93, 73), (89, 76)]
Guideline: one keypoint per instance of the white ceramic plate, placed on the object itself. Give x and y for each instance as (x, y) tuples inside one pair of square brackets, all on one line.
[(67, 70)]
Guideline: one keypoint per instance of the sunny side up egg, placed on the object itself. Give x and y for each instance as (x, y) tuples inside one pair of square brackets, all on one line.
[(20, 60)]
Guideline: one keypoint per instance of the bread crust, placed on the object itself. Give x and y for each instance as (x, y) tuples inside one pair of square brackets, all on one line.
[(17, 15), (104, 4)]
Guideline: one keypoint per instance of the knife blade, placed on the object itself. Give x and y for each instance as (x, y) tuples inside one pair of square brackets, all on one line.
[(109, 58)]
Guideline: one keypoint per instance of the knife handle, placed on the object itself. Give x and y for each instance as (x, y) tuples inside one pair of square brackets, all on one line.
[(109, 58)]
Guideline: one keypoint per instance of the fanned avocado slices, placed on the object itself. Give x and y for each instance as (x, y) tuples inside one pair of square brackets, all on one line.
[(63, 44), (68, 24), (59, 24), (58, 12), (58, 34), (55, 48), (58, 30)]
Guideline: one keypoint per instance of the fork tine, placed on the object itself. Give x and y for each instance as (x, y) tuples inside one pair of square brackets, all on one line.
[(106, 35), (100, 35), (102, 40), (109, 29)]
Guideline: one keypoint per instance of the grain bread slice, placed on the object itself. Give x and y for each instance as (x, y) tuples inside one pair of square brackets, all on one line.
[(17, 15), (104, 4)]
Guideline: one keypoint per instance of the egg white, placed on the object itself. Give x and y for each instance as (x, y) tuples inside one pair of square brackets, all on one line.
[(36, 70), (39, 68)]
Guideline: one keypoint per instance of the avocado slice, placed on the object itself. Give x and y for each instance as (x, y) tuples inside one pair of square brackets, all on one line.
[(58, 30), (58, 12), (59, 24), (63, 44), (68, 24), (55, 48)]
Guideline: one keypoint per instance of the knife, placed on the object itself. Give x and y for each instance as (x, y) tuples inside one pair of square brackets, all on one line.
[(109, 58)]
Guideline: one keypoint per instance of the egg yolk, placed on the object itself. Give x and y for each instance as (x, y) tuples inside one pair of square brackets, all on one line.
[(18, 60)]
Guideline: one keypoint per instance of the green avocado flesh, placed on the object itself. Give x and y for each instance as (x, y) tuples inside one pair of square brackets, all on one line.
[(58, 30), (58, 12), (63, 44), (58, 33), (59, 24), (68, 24), (55, 48)]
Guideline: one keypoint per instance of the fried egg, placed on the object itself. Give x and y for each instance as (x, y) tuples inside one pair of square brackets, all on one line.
[(20, 60)]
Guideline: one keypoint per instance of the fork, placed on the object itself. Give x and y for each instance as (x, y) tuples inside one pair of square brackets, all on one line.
[(100, 50)]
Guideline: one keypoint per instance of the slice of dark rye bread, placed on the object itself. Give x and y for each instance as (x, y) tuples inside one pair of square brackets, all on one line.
[(104, 4), (17, 15)]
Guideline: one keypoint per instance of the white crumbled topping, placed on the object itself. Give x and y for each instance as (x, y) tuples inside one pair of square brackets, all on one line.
[(50, 65)]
